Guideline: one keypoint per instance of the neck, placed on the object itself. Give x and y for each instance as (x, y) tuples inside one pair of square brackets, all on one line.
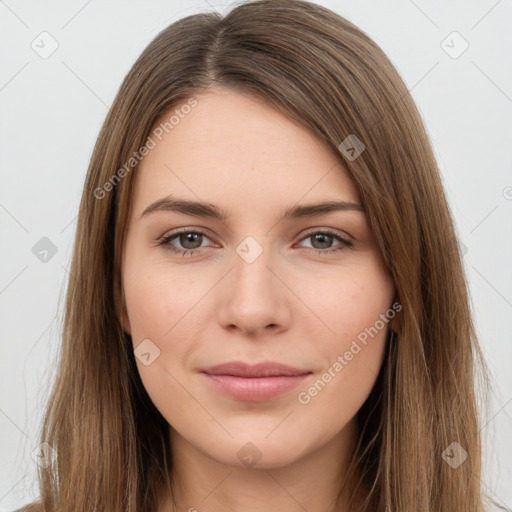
[(311, 482)]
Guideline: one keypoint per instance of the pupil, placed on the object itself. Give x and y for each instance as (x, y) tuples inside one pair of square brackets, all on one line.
[(190, 237), (326, 239)]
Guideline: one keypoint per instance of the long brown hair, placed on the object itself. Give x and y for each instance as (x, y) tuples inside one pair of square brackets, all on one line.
[(319, 69)]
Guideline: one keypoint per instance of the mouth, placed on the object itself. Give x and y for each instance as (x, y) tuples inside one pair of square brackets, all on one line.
[(254, 383)]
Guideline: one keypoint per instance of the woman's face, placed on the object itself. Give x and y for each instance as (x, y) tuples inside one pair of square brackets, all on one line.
[(266, 283)]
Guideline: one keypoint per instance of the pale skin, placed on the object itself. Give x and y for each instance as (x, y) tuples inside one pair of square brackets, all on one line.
[(291, 305)]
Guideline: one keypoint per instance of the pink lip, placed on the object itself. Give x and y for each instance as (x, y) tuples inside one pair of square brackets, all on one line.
[(255, 383)]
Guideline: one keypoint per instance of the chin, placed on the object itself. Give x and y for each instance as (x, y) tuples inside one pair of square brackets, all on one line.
[(255, 452)]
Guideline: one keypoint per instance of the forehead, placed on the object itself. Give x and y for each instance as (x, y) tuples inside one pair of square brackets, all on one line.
[(237, 151)]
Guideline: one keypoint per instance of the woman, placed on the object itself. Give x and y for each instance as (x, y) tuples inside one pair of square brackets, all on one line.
[(267, 307)]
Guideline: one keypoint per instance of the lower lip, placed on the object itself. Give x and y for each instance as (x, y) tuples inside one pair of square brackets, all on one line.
[(255, 389)]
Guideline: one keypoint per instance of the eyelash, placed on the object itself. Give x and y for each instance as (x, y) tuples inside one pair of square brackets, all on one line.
[(165, 241)]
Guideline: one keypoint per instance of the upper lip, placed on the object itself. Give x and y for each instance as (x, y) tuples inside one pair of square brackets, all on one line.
[(265, 369)]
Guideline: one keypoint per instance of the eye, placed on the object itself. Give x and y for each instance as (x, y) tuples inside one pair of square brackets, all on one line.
[(325, 238), (192, 241)]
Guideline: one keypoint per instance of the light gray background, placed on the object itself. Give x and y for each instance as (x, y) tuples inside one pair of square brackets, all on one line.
[(51, 112)]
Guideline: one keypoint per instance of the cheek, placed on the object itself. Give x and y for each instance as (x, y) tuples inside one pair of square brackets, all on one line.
[(353, 306), (349, 302), (157, 299), (158, 302)]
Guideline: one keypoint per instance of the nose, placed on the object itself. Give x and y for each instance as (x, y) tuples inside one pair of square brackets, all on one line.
[(253, 297)]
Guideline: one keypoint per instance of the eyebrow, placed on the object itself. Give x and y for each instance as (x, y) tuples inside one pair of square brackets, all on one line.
[(198, 209)]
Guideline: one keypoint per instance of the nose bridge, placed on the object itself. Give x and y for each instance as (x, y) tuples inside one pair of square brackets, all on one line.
[(251, 263), (252, 298)]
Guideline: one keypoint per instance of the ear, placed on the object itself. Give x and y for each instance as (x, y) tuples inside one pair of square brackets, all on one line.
[(395, 323), (120, 307)]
